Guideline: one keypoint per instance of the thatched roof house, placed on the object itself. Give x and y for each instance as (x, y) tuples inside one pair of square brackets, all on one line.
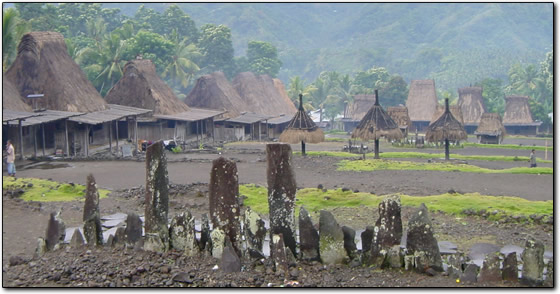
[(490, 129), (141, 87), (356, 110), (446, 127), (214, 91), (421, 102), (400, 115), (471, 104), (517, 116), (43, 66), (261, 95), (11, 99), (454, 109)]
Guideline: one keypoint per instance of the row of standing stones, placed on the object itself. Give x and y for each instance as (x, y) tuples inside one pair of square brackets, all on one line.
[(234, 237)]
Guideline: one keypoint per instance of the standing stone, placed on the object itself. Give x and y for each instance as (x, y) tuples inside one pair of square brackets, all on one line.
[(218, 238), (420, 237), (331, 240), (470, 273), (278, 252), (120, 236), (56, 231), (308, 237), (204, 233), (350, 242), (41, 247), (549, 281), (281, 192), (389, 223), (367, 240), (182, 235), (395, 257), (157, 199), (533, 262), (133, 230), (455, 265), (93, 233), (224, 206), (77, 239), (230, 262), (408, 262), (490, 271), (510, 271), (255, 230)]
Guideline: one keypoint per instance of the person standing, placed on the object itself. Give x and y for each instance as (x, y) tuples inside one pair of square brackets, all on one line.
[(11, 158), (533, 159)]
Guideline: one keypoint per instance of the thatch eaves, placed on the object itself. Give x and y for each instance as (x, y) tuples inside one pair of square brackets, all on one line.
[(357, 109), (446, 127), (422, 100), (11, 99), (471, 104), (400, 115), (490, 125), (141, 87), (43, 66), (302, 128), (454, 109), (214, 91), (517, 110), (377, 123)]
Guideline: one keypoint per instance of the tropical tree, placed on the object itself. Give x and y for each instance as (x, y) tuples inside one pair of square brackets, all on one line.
[(320, 93), (13, 28), (217, 48), (493, 95), (181, 67), (393, 92), (263, 58)]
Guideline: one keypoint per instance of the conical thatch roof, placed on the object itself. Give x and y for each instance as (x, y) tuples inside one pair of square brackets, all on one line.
[(471, 104), (491, 125), (214, 91), (517, 110), (455, 110), (422, 100), (281, 88), (446, 127), (362, 103), (302, 128), (261, 96), (43, 66), (141, 87), (377, 123), (11, 99), (400, 115)]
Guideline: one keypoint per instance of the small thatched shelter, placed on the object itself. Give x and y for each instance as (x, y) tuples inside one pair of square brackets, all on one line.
[(376, 124), (43, 66), (302, 129), (421, 103), (446, 128), (517, 116), (400, 115), (454, 109), (356, 110), (472, 107), (490, 129), (11, 99)]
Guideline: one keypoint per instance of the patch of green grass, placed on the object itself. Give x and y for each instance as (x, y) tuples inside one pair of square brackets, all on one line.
[(509, 146), (328, 153), (335, 140), (380, 164), (336, 132), (47, 191), (316, 199)]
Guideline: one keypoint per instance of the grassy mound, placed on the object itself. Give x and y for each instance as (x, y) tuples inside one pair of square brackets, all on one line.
[(47, 191)]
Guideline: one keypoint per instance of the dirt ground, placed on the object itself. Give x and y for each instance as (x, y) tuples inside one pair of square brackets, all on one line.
[(23, 223)]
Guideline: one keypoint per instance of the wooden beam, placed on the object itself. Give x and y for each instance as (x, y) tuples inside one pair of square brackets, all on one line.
[(43, 132), (74, 141), (34, 128), (117, 134), (136, 132), (20, 139), (86, 137), (66, 137), (110, 138)]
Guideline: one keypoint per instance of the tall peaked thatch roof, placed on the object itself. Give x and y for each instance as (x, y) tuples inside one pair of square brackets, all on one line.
[(214, 91), (471, 104), (400, 115), (141, 87), (517, 110), (446, 127), (261, 95), (43, 66), (11, 99), (281, 88), (357, 109), (377, 123), (454, 109), (491, 125), (422, 100), (302, 128)]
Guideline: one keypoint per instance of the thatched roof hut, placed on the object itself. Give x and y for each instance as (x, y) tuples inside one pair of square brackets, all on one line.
[(517, 110), (491, 125), (261, 95), (454, 109), (376, 124), (471, 104), (302, 129), (400, 115), (43, 66), (422, 100), (362, 103), (446, 127), (281, 88), (214, 91), (141, 87), (11, 99)]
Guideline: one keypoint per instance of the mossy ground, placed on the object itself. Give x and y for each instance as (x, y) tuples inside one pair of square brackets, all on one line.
[(47, 191)]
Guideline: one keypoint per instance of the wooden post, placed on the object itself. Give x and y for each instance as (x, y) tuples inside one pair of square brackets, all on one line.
[(136, 132), (87, 141), (117, 134), (302, 148), (161, 130), (110, 138), (446, 149), (43, 136), (259, 131), (35, 141), (66, 137), (20, 139), (376, 149), (74, 141), (213, 129)]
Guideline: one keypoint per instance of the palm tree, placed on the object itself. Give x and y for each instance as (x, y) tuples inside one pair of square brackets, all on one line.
[(13, 28), (181, 69)]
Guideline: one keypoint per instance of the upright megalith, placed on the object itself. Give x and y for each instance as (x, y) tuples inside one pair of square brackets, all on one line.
[(331, 240), (204, 242), (157, 199), (224, 206), (93, 233), (278, 252), (230, 262), (510, 271), (490, 270), (255, 231), (533, 262), (387, 230), (182, 234), (56, 231), (421, 241), (132, 232), (350, 242), (308, 237), (281, 193)]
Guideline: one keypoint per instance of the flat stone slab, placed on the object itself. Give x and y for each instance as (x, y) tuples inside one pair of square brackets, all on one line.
[(70, 232), (507, 249), (113, 223), (114, 216), (446, 247), (479, 250)]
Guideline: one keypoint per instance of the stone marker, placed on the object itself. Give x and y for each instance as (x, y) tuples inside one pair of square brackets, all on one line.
[(77, 239), (224, 206), (308, 237), (533, 263), (157, 199), (420, 237), (455, 265), (278, 252), (56, 231), (490, 271), (230, 262), (549, 281), (110, 240), (395, 257), (93, 233), (182, 235), (120, 236), (281, 192), (217, 237), (350, 242), (331, 240), (470, 273), (204, 242), (255, 231), (41, 247), (367, 240), (133, 230), (510, 271), (387, 231)]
